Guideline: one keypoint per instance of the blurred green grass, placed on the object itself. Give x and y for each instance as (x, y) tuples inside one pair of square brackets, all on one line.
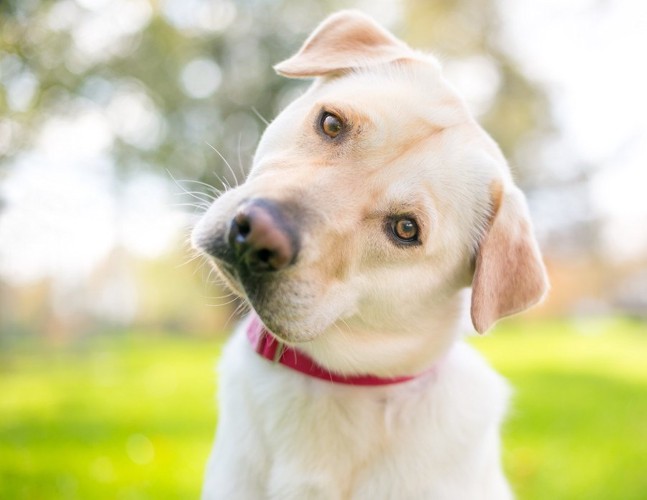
[(132, 415), (577, 428)]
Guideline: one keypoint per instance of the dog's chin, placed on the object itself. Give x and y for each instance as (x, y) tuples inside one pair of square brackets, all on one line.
[(286, 324), (288, 332)]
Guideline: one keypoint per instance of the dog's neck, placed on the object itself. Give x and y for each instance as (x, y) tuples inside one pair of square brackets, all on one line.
[(352, 347), (268, 346)]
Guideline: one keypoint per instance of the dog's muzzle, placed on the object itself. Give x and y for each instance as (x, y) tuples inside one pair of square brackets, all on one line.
[(261, 239)]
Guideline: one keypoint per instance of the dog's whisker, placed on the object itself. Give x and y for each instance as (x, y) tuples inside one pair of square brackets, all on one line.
[(189, 260), (210, 279), (209, 187), (222, 297), (200, 207), (223, 180), (214, 190), (198, 195), (239, 311), (260, 116), (240, 161), (200, 268), (195, 204), (194, 194), (222, 304), (231, 170)]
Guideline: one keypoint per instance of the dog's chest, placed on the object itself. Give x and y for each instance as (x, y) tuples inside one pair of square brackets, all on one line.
[(320, 440), (335, 445)]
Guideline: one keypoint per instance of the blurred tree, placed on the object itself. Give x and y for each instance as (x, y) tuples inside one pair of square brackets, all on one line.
[(168, 76), (173, 75), (466, 35)]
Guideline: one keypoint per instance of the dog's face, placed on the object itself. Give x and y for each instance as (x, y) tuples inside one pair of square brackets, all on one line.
[(374, 198)]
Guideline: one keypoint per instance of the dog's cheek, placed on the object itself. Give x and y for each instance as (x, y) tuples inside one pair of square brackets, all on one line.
[(336, 253)]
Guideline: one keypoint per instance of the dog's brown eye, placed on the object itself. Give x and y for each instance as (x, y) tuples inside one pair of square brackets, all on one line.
[(331, 125), (405, 229)]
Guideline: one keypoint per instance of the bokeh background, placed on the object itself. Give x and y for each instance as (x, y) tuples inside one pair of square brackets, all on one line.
[(117, 117)]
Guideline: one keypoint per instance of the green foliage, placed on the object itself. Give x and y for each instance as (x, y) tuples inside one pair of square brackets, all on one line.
[(132, 415)]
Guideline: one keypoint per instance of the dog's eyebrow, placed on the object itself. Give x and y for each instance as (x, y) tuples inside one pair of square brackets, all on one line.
[(403, 209), (346, 111)]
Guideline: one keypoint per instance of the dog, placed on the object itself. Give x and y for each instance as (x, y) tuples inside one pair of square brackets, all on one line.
[(374, 203)]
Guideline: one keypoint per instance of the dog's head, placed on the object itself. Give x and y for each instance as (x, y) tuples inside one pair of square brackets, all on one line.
[(374, 199)]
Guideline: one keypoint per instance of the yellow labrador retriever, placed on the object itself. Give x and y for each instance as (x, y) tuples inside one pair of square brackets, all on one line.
[(374, 203)]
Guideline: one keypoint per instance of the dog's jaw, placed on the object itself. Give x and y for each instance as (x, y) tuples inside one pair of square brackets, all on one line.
[(354, 346)]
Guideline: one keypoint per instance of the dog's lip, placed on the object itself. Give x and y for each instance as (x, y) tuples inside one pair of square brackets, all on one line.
[(271, 331), (280, 336), (258, 292), (227, 268), (231, 276), (236, 282), (288, 342), (249, 286)]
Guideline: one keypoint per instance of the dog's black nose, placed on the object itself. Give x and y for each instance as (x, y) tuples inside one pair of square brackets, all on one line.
[(261, 238)]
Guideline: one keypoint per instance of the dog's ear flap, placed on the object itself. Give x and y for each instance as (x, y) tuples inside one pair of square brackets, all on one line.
[(345, 40), (509, 276)]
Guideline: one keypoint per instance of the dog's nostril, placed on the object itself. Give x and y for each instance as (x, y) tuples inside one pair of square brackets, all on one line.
[(243, 226), (264, 255), (259, 238)]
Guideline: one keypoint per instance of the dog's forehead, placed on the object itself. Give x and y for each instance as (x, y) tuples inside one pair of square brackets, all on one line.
[(402, 96), (411, 89)]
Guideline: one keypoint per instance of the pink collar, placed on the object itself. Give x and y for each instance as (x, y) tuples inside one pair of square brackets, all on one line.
[(266, 345)]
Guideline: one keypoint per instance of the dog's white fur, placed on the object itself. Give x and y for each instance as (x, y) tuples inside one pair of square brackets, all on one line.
[(358, 304)]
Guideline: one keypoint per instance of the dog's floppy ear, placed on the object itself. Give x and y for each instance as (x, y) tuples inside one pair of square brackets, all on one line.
[(345, 40), (509, 276)]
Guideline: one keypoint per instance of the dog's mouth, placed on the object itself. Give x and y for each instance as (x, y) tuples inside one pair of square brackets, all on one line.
[(271, 296), (281, 337), (272, 302)]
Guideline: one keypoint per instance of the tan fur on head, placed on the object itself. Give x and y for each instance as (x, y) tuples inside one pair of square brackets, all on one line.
[(347, 39), (510, 275)]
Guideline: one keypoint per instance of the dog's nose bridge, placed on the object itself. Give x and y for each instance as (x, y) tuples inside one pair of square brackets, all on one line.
[(262, 238)]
